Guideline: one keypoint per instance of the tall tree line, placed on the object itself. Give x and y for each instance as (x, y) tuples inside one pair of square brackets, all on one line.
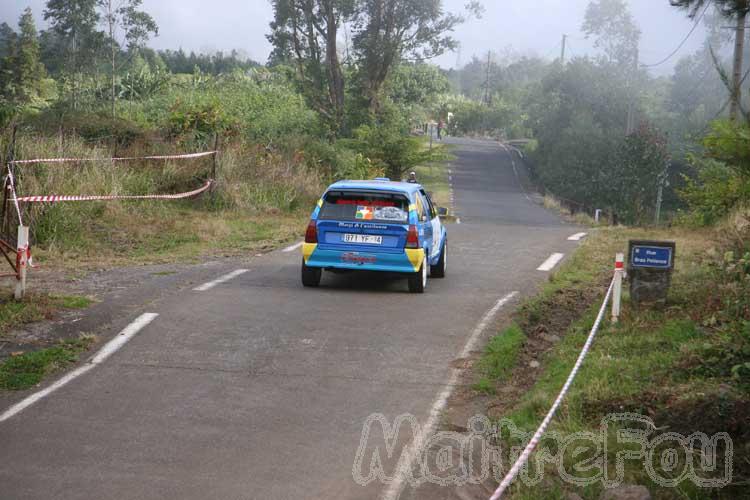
[(72, 47), (380, 34), (21, 70)]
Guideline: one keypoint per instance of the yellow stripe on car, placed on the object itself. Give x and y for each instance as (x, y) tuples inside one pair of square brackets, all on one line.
[(308, 249), (416, 257)]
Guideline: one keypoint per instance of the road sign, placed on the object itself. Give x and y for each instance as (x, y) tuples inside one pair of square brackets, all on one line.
[(650, 266), (653, 257)]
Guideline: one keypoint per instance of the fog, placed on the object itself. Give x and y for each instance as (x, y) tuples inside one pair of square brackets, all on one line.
[(509, 25)]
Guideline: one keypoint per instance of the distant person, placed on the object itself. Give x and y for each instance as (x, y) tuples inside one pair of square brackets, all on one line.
[(412, 178), (441, 126)]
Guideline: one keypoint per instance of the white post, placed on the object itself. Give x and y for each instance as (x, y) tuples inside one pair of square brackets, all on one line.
[(22, 261), (617, 292)]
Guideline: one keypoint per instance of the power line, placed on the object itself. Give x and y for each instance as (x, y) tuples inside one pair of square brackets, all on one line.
[(675, 51)]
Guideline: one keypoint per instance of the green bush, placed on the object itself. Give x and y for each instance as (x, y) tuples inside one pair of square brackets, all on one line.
[(713, 192)]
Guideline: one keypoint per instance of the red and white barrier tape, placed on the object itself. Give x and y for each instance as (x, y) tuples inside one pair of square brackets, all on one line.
[(57, 198), (124, 158), (524, 457)]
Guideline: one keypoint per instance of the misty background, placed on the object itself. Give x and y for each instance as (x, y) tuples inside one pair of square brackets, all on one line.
[(507, 27)]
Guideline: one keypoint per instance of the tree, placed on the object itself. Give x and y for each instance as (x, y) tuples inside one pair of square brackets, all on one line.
[(615, 31), (8, 40), (387, 31), (74, 22), (738, 9), (637, 168), (138, 26), (27, 68), (305, 32)]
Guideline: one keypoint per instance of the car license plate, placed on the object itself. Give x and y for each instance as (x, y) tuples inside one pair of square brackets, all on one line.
[(364, 239)]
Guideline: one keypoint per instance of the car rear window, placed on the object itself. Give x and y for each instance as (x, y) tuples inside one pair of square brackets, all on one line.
[(365, 206)]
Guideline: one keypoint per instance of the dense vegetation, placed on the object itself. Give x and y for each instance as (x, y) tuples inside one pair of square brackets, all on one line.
[(89, 86)]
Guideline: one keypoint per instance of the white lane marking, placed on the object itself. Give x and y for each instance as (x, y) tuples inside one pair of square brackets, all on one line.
[(405, 462), (550, 263), (105, 352), (293, 247), (123, 337), (218, 281), (577, 237)]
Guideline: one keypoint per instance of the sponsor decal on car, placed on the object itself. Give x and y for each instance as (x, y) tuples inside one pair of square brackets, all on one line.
[(355, 258)]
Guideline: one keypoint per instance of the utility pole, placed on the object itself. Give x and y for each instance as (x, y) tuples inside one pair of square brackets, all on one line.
[(562, 52), (739, 49)]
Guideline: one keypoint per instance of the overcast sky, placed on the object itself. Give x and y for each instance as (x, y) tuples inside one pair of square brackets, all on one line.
[(528, 27)]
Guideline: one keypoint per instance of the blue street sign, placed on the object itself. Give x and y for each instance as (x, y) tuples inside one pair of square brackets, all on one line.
[(651, 257)]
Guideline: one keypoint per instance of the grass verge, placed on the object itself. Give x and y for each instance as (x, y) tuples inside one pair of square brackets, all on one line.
[(684, 366), (27, 370), (163, 233), (500, 356), (36, 307), (434, 177)]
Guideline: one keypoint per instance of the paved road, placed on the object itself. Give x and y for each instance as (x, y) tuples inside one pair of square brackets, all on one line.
[(258, 388)]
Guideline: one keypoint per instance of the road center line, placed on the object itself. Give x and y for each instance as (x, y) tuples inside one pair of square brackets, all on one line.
[(577, 237), (550, 263), (293, 247), (218, 281), (105, 352), (407, 458)]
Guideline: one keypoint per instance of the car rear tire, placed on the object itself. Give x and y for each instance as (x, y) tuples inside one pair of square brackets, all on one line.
[(438, 270), (418, 280), (311, 275)]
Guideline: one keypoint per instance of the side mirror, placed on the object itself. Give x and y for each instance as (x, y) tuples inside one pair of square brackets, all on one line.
[(442, 211)]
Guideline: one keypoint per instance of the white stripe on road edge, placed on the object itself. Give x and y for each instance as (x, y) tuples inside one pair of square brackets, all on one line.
[(105, 352), (396, 487), (218, 281), (123, 337), (550, 263), (577, 237), (293, 247)]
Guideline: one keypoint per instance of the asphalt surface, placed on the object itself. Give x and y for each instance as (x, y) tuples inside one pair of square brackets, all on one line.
[(258, 388)]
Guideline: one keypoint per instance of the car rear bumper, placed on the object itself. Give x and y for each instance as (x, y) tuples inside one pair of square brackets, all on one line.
[(407, 261)]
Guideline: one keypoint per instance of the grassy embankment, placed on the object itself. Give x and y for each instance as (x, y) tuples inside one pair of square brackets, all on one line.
[(685, 366), (25, 369), (434, 176)]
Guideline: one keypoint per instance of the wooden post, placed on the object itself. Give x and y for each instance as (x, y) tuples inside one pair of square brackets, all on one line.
[(22, 261)]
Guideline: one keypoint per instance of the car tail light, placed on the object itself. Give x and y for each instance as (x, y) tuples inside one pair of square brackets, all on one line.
[(311, 235), (412, 239)]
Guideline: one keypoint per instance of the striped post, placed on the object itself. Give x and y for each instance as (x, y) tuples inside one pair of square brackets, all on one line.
[(617, 292)]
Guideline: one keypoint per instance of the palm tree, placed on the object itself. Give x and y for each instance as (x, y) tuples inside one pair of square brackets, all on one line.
[(738, 9)]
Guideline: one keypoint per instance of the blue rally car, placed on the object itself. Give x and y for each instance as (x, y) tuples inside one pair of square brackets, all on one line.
[(375, 226)]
